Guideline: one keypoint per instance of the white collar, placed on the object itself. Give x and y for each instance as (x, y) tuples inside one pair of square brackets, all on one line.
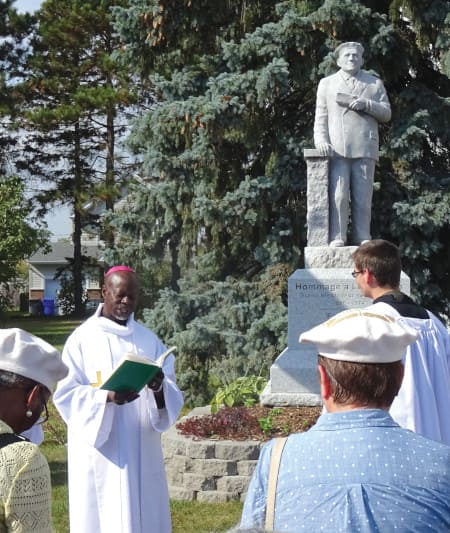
[(110, 326)]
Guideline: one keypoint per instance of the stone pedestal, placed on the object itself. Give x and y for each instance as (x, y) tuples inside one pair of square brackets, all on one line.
[(317, 219), (323, 288), (314, 295)]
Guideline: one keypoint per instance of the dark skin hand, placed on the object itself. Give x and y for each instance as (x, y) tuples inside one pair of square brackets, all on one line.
[(155, 384), (123, 397)]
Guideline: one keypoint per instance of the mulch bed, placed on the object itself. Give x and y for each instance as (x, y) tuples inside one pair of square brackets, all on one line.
[(258, 422)]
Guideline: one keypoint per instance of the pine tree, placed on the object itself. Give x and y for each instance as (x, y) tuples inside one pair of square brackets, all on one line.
[(14, 29), (20, 233), (75, 93), (223, 173)]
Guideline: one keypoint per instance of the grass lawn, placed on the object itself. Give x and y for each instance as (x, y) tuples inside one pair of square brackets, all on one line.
[(187, 517)]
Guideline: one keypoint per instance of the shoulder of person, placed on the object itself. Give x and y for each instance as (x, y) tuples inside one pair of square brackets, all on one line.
[(433, 447), (369, 75), (79, 332), (330, 77), (26, 454)]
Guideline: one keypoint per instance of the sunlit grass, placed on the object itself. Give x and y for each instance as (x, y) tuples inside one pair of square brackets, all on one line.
[(54, 330), (197, 517)]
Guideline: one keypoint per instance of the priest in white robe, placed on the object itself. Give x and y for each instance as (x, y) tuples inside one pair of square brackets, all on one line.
[(423, 402), (117, 480)]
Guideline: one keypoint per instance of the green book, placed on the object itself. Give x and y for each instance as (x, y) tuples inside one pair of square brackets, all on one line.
[(133, 372)]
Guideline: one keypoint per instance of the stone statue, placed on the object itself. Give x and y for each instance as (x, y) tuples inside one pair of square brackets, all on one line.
[(349, 105)]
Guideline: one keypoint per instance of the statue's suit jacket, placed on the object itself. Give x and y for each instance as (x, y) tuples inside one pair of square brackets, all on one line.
[(352, 134)]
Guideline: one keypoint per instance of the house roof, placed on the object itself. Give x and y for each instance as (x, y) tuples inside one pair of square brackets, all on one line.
[(61, 251)]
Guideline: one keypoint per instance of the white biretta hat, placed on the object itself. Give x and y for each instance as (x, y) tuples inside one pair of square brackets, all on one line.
[(31, 357), (361, 336)]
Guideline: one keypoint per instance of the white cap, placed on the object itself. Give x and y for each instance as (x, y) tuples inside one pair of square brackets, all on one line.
[(361, 336), (31, 357)]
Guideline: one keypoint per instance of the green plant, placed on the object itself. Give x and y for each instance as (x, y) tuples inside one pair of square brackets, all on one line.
[(243, 391), (266, 423)]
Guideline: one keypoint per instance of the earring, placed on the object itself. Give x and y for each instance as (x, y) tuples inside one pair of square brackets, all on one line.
[(29, 413)]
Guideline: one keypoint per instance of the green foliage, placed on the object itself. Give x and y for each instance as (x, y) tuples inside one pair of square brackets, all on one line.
[(222, 192), (65, 296), (243, 391), (266, 423), (228, 329), (18, 238), (74, 96)]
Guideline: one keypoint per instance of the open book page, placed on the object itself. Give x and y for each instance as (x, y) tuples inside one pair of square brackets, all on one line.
[(133, 372), (163, 357)]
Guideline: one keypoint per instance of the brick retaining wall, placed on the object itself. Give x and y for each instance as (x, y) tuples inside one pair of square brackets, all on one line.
[(208, 470)]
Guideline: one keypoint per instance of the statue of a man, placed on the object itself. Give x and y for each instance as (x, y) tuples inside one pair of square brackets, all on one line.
[(349, 105)]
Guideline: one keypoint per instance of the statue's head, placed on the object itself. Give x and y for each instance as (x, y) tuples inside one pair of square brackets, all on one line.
[(349, 56)]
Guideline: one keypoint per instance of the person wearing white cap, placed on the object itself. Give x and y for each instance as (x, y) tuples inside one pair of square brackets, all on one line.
[(29, 371), (117, 480), (423, 402), (356, 469)]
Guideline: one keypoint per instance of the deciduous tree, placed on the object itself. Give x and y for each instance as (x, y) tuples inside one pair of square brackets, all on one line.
[(19, 238)]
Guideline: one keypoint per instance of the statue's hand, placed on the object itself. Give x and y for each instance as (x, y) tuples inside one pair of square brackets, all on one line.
[(325, 149), (360, 104)]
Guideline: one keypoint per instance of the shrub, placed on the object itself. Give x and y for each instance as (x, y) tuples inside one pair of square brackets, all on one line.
[(243, 391)]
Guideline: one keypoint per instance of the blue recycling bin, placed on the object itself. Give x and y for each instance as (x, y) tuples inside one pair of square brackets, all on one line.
[(49, 307)]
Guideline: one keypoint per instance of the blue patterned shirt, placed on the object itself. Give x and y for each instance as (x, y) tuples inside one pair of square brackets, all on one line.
[(355, 471)]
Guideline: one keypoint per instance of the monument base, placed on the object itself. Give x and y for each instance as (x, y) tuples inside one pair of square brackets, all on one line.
[(314, 295), (288, 399), (329, 257), (293, 378)]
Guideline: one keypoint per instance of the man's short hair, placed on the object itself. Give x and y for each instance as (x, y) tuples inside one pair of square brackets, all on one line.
[(363, 384), (382, 259), (349, 44)]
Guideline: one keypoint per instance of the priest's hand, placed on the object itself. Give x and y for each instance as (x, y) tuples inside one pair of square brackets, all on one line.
[(156, 383), (122, 397), (156, 386)]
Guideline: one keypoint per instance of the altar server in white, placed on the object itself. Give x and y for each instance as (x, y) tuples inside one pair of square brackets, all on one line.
[(423, 402), (117, 480)]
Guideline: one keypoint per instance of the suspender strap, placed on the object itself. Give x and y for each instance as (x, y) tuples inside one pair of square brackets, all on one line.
[(277, 450)]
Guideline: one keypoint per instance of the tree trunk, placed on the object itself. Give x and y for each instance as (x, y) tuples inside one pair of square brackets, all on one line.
[(77, 266)]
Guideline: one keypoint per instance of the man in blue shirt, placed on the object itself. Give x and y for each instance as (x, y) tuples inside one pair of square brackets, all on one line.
[(356, 469)]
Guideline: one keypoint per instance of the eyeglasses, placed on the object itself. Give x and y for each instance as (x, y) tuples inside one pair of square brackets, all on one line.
[(43, 419), (356, 272)]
